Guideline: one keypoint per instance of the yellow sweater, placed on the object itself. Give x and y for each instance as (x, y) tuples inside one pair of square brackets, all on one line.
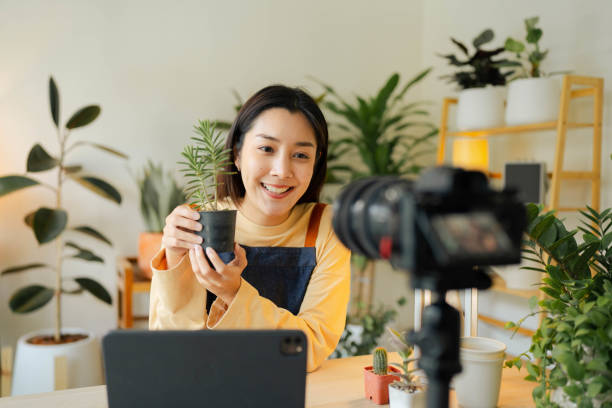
[(178, 300)]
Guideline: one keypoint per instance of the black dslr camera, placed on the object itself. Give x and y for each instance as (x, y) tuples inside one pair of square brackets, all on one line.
[(444, 229)]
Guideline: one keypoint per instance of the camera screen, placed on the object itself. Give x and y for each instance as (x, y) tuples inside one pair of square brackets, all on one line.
[(474, 234)]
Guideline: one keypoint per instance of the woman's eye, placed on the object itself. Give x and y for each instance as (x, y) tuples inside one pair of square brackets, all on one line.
[(266, 149), (302, 156)]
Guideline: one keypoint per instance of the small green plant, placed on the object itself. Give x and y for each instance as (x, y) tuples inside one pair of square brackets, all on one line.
[(159, 195), (380, 365), (51, 224), (481, 70), (572, 348), (409, 381), (206, 161), (535, 56)]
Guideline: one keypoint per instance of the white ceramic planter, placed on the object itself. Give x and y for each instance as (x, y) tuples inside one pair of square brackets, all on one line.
[(401, 399), (477, 386), (480, 108), (34, 364), (533, 100)]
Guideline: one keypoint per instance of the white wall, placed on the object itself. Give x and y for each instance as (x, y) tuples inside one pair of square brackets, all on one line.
[(155, 67), (577, 35)]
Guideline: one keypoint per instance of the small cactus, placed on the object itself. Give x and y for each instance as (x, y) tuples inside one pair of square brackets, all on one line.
[(380, 366)]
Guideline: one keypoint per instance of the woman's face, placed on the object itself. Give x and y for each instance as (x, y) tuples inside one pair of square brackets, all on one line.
[(276, 163)]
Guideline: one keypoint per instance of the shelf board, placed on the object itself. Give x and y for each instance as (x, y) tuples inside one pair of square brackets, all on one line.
[(516, 129), (500, 286)]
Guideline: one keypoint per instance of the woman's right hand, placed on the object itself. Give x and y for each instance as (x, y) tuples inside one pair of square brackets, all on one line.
[(178, 236)]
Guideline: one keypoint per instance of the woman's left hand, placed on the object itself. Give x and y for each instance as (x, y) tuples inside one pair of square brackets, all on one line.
[(221, 279)]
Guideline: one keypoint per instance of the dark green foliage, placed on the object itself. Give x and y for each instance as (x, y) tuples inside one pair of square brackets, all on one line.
[(387, 134), (572, 348), (30, 298), (479, 69), (48, 224), (9, 184), (40, 160)]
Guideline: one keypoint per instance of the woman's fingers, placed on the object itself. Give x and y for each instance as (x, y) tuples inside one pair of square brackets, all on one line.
[(202, 267), (240, 259), (181, 235)]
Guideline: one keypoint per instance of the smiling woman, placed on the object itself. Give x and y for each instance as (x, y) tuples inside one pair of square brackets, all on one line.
[(288, 269)]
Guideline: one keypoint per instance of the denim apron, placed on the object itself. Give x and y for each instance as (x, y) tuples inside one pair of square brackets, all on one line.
[(280, 274)]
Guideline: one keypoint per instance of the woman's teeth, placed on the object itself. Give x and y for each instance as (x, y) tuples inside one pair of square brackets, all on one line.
[(275, 190)]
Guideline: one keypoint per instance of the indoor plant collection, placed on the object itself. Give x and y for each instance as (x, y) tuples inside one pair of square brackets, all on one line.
[(159, 195), (35, 351), (571, 351), (204, 162)]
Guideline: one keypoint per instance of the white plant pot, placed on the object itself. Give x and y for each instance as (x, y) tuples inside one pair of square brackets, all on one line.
[(480, 108), (533, 100), (402, 399), (34, 364), (477, 386), (517, 278)]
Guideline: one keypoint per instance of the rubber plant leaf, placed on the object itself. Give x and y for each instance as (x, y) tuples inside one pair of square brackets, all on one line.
[(54, 101), (100, 187), (84, 254), (30, 298), (84, 229), (40, 160), (48, 223), (108, 150), (95, 289), (21, 268), (8, 184), (83, 117)]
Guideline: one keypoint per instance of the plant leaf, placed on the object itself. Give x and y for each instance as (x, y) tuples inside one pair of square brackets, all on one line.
[(100, 187), (83, 117), (54, 101), (84, 253), (40, 160), (8, 184), (47, 223), (108, 150), (95, 289), (21, 268), (92, 233), (483, 38), (30, 298)]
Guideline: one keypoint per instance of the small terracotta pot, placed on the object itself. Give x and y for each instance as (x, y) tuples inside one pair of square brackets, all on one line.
[(377, 386), (149, 244)]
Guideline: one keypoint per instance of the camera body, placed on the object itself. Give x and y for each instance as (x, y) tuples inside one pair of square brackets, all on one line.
[(439, 227)]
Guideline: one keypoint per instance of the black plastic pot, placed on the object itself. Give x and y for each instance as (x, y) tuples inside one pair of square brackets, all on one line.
[(218, 228)]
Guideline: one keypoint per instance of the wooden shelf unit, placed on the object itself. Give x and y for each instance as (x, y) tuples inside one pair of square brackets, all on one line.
[(590, 87)]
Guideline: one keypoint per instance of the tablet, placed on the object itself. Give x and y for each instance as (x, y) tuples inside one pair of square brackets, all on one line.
[(205, 368)]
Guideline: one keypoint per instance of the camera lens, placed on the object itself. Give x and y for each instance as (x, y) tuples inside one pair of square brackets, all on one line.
[(367, 211)]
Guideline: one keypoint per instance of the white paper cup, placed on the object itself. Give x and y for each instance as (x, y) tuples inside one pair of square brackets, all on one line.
[(478, 384)]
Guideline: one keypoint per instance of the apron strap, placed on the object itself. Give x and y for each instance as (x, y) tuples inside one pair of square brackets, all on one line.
[(313, 225)]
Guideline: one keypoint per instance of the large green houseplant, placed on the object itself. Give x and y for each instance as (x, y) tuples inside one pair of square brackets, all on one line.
[(571, 352), (382, 135), (52, 224), (205, 161)]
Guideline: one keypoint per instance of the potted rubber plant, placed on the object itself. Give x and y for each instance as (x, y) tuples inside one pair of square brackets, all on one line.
[(408, 392), (533, 96), (205, 161), (377, 377), (33, 371), (159, 195), (569, 356), (481, 83)]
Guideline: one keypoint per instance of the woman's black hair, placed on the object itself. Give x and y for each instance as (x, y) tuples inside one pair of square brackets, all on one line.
[(275, 96)]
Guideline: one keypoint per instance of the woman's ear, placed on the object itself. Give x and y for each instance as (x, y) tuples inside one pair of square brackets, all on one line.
[(237, 163)]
